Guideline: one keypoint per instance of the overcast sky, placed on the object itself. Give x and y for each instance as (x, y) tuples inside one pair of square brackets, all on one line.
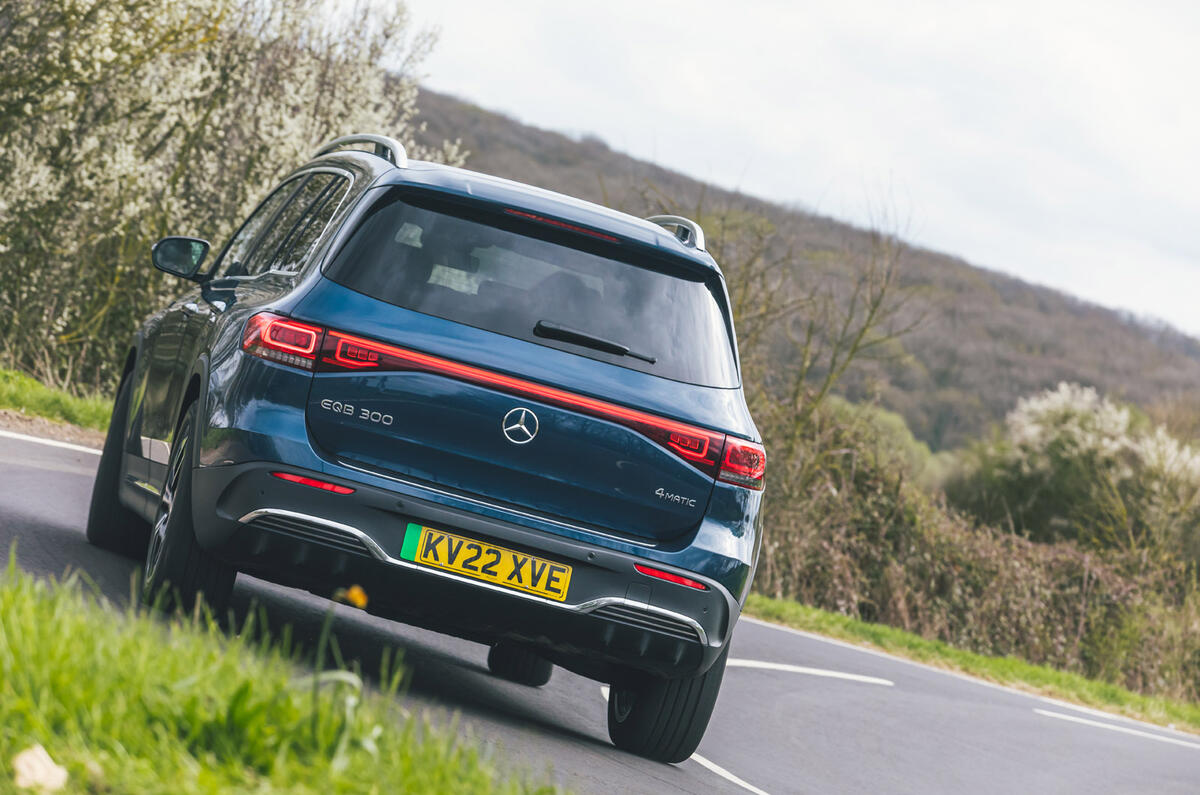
[(1057, 141)]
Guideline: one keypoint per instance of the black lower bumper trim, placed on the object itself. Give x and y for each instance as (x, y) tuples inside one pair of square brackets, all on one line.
[(651, 622), (312, 532), (614, 620), (603, 643)]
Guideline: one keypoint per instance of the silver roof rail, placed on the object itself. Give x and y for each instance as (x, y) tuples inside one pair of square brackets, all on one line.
[(387, 148), (688, 231)]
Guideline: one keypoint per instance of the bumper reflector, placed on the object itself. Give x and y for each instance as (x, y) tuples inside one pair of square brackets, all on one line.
[(316, 484), (669, 577)]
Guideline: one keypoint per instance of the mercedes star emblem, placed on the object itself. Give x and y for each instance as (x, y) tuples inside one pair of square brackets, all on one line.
[(520, 425)]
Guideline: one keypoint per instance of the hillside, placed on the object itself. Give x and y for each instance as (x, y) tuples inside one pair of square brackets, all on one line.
[(985, 339)]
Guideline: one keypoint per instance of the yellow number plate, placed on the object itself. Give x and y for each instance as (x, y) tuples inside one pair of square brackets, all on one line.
[(497, 565)]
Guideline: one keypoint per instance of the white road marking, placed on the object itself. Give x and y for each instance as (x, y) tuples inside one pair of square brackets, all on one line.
[(1111, 727), (800, 669), (1099, 713), (49, 442), (725, 774), (708, 763), (956, 674)]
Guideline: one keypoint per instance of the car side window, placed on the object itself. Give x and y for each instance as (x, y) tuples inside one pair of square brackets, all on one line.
[(232, 262), (285, 222), (296, 250)]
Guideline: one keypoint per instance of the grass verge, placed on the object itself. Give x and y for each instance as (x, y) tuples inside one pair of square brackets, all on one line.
[(130, 703), (1009, 671), (25, 394)]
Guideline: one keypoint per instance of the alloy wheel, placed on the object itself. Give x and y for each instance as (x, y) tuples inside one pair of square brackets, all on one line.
[(158, 534)]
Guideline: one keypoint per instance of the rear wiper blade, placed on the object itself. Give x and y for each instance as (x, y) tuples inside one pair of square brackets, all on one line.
[(555, 331)]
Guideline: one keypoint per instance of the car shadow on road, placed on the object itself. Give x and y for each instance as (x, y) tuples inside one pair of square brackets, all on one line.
[(48, 549), (437, 683), (446, 680)]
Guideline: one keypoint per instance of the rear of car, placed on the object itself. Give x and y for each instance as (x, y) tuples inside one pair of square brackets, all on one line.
[(630, 473), (508, 415)]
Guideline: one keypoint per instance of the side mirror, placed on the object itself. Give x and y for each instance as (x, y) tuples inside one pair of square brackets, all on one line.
[(179, 256)]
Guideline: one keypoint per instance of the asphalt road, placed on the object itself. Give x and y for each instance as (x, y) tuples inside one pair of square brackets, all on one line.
[(797, 713)]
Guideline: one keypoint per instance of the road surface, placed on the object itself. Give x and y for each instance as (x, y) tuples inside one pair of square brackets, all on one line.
[(797, 713)]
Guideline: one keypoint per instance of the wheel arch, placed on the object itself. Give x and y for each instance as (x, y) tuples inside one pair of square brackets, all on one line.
[(130, 363), (127, 372), (194, 392)]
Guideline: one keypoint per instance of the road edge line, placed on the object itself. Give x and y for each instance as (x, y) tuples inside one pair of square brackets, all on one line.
[(1114, 728), (957, 674), (48, 442)]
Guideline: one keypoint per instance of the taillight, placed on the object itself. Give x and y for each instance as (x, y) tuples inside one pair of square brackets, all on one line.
[(744, 463), (282, 340), (670, 577), (324, 485), (699, 446)]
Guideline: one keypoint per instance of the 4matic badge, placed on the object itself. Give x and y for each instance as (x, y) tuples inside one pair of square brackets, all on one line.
[(678, 499)]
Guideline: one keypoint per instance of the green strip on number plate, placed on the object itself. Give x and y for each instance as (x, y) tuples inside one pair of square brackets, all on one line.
[(412, 539)]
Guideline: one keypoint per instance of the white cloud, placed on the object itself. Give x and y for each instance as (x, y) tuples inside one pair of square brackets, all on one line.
[(1053, 140)]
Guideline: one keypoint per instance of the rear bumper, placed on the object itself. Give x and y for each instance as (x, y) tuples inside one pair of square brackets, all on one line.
[(613, 618)]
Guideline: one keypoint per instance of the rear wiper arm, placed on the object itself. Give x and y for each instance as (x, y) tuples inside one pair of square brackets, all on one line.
[(555, 331)]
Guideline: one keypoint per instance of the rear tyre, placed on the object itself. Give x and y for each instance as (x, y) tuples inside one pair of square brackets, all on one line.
[(518, 664), (110, 524), (178, 570), (664, 719)]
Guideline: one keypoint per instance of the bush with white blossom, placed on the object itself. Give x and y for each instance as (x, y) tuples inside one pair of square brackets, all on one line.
[(125, 120), (1069, 463)]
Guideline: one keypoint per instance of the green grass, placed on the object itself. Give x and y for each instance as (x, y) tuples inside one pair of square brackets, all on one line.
[(127, 702), (1002, 670), (20, 392)]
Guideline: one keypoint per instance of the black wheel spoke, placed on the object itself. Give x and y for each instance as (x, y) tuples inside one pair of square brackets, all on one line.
[(166, 505), (178, 571)]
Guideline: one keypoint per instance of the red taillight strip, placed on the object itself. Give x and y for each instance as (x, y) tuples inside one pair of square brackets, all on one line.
[(281, 339), (561, 225), (316, 484), (700, 446), (669, 577), (744, 463), (286, 341)]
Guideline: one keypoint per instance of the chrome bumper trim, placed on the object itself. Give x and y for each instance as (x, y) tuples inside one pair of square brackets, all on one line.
[(378, 552)]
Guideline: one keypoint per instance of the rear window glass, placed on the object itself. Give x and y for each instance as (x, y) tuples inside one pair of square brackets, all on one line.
[(515, 278)]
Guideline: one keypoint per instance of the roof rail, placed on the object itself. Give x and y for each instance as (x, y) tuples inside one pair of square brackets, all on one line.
[(688, 231), (387, 148)]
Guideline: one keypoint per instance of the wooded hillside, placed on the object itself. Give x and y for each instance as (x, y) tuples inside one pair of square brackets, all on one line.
[(984, 339)]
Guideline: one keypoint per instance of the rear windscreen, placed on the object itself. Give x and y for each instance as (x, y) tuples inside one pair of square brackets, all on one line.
[(538, 283)]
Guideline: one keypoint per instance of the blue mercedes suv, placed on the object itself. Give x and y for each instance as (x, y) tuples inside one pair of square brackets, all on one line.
[(507, 414)]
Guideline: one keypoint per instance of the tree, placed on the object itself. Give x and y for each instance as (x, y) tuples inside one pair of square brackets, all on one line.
[(176, 120), (804, 317)]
